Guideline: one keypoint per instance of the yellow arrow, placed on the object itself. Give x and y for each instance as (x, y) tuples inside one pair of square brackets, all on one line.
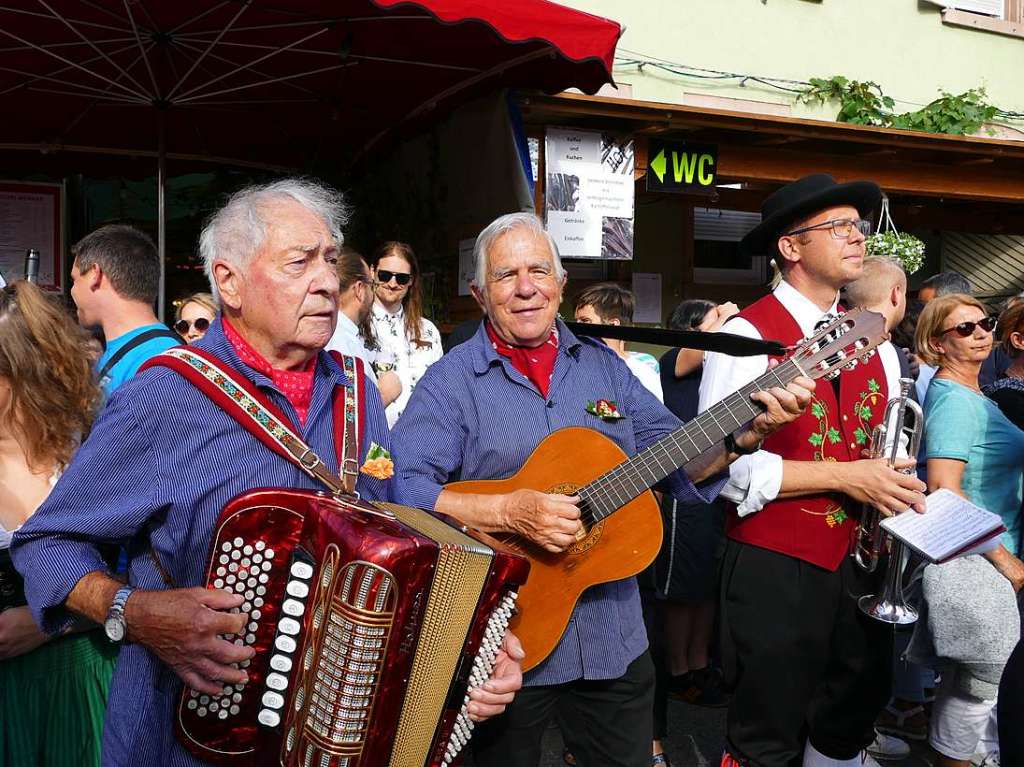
[(658, 166)]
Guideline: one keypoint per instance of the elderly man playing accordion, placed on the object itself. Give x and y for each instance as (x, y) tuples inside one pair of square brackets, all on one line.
[(163, 460)]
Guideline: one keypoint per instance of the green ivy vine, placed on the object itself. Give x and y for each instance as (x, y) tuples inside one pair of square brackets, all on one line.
[(864, 103)]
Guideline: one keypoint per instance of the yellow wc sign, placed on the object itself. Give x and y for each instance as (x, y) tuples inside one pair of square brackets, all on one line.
[(681, 167)]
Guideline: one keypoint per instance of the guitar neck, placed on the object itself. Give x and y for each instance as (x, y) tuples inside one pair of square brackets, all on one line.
[(631, 478)]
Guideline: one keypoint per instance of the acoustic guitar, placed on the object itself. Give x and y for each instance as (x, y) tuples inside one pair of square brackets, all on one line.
[(622, 523)]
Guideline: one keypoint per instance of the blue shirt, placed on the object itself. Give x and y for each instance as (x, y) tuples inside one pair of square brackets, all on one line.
[(961, 424), (130, 363), (161, 462), (474, 416)]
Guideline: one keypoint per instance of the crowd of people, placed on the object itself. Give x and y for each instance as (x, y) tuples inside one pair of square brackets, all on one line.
[(114, 468)]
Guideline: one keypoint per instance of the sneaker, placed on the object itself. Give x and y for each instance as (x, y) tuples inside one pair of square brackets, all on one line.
[(702, 687), (888, 747)]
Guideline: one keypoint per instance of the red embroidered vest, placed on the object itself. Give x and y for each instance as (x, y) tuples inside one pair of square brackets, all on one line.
[(815, 528)]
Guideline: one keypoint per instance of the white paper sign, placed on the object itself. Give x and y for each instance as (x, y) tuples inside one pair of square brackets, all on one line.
[(647, 289), (589, 194), (466, 266), (28, 216)]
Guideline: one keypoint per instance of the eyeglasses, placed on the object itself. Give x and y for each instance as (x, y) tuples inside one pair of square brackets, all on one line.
[(402, 278), (964, 329), (182, 326), (842, 228)]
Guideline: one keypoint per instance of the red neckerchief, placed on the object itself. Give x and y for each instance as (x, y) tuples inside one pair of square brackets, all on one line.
[(537, 364), (297, 386)]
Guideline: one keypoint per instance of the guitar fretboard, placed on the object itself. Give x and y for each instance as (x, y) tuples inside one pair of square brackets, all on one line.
[(631, 478)]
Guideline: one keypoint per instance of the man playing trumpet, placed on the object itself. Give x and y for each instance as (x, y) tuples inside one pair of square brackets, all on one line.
[(810, 671)]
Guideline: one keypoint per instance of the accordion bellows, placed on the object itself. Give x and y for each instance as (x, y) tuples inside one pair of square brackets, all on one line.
[(371, 623)]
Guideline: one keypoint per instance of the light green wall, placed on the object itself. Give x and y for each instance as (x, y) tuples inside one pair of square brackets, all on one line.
[(900, 44)]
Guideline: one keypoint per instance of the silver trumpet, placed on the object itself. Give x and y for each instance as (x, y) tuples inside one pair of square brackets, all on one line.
[(904, 417)]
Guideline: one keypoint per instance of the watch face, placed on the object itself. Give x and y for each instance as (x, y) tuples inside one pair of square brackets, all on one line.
[(114, 629)]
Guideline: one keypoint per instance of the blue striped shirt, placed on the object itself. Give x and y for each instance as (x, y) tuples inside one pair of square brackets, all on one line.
[(158, 467), (474, 416)]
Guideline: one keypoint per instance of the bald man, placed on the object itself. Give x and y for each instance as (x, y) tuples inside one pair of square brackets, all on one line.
[(882, 288)]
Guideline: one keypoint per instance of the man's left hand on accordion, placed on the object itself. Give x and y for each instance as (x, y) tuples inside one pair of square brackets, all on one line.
[(506, 680)]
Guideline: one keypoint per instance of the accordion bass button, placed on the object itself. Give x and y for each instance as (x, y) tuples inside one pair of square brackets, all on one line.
[(272, 700), (297, 589), (281, 663), (277, 682), (285, 644), (269, 718), (289, 626), (293, 607), (302, 570)]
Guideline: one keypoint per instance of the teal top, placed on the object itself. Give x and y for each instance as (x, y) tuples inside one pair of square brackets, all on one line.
[(130, 363), (962, 424)]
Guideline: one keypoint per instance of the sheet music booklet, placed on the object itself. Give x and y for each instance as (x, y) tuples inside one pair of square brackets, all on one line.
[(951, 527)]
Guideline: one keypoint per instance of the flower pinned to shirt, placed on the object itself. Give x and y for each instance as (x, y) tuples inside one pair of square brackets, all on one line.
[(378, 463), (605, 409)]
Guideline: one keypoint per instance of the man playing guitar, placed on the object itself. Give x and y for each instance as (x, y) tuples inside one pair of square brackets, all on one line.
[(479, 412)]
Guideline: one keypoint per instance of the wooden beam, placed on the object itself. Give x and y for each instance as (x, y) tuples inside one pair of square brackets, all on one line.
[(901, 177), (677, 117)]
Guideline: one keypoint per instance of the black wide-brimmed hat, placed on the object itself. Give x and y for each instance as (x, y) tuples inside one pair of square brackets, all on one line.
[(802, 198)]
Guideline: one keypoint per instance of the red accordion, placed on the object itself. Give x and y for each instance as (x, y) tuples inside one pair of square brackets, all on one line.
[(370, 622)]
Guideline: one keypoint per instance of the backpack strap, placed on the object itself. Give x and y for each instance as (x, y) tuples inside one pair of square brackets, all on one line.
[(251, 408), (134, 343)]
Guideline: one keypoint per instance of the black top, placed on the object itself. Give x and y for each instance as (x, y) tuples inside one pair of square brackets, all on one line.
[(1010, 399), (681, 394)]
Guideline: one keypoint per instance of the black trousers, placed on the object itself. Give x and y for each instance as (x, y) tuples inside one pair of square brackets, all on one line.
[(604, 723), (1011, 710), (804, 661)]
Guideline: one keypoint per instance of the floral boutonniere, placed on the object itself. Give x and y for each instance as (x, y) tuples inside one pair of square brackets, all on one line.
[(378, 463), (604, 409)]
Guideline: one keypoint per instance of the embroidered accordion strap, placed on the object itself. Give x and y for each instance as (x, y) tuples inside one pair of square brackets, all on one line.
[(351, 405), (254, 412)]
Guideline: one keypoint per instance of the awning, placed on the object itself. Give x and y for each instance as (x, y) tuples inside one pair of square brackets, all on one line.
[(300, 84)]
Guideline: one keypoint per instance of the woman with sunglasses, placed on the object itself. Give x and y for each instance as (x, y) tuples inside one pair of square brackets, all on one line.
[(53, 689), (404, 334), (194, 316), (972, 449)]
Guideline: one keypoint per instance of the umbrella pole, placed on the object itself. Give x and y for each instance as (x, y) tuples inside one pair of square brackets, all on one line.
[(161, 223)]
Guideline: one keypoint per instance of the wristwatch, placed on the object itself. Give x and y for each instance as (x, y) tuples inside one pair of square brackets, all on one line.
[(732, 447), (114, 626)]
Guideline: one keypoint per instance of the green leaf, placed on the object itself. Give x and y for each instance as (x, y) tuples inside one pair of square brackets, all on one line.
[(861, 436), (816, 440), (376, 451), (865, 413), (834, 436), (818, 410), (873, 385)]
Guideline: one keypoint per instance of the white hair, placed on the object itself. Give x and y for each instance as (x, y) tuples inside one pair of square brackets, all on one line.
[(501, 226), (235, 232)]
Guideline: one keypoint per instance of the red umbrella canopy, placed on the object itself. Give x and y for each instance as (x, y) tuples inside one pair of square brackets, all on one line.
[(296, 83)]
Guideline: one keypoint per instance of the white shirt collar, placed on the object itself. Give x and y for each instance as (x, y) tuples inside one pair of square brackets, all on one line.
[(348, 325), (804, 311)]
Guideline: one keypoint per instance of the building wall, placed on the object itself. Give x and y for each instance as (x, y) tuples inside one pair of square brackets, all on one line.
[(903, 45)]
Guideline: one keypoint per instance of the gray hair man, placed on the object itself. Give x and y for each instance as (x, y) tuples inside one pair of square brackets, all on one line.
[(478, 413), (163, 460)]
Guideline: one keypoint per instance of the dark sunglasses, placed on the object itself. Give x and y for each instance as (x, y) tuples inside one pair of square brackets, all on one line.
[(202, 325), (402, 278), (964, 329)]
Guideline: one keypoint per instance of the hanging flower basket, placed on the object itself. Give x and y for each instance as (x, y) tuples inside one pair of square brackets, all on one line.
[(905, 248)]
